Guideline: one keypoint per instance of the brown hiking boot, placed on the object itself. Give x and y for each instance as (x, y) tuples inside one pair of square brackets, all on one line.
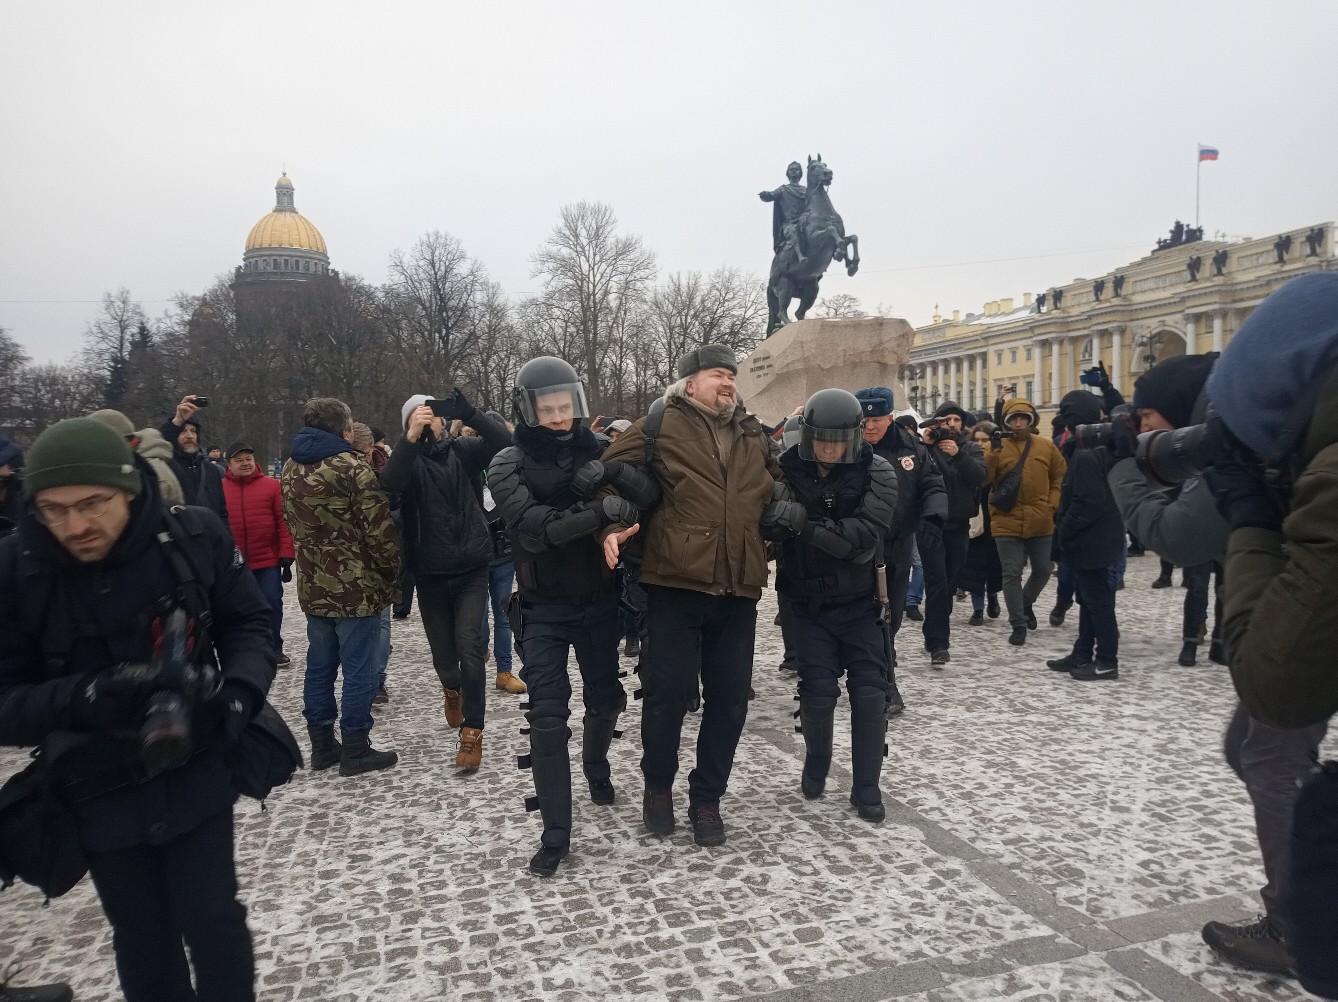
[(508, 682), (470, 755), (455, 710), (657, 810)]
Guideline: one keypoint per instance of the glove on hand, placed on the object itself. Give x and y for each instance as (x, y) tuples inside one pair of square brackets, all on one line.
[(1124, 438), (240, 704), (615, 510), (463, 409), (1243, 497), (114, 698), (285, 569), (593, 475), (790, 516)]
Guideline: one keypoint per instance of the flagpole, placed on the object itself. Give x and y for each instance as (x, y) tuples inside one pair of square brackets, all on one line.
[(1198, 172)]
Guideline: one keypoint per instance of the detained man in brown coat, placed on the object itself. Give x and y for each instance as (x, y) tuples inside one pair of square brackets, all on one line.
[(704, 567)]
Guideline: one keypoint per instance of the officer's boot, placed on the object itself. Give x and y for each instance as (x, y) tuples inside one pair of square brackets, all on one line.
[(868, 731), (597, 734), (815, 720), (325, 750), (551, 765)]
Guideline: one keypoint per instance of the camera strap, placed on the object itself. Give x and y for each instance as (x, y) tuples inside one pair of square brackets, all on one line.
[(180, 527)]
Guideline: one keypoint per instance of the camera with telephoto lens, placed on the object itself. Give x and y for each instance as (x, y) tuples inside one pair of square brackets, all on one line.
[(1169, 458), (179, 685), (1095, 436), (938, 433)]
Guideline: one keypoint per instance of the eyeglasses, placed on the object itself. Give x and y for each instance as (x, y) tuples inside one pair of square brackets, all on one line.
[(90, 508)]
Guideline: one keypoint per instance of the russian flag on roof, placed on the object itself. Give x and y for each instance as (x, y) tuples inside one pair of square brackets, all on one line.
[(1207, 153)]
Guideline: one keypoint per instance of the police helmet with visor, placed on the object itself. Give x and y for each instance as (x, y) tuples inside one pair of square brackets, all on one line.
[(547, 389), (831, 429)]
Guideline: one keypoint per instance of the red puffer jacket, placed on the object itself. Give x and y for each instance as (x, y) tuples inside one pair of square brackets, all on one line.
[(255, 512)]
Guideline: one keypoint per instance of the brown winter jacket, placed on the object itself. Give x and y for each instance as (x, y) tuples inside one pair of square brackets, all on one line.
[(704, 535), (1043, 476)]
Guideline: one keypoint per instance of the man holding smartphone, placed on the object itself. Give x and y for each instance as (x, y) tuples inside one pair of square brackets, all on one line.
[(201, 481), (448, 546)]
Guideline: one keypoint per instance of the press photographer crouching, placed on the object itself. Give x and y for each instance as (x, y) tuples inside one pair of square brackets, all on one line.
[(1275, 478), (135, 652)]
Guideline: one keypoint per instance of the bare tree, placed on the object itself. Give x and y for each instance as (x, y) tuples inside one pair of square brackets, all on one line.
[(593, 280), (108, 338), (13, 359), (726, 307), (843, 304), (49, 393)]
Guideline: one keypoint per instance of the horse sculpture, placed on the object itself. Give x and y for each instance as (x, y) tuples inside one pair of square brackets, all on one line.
[(817, 238)]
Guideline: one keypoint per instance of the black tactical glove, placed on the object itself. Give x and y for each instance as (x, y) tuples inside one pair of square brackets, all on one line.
[(789, 516), (463, 409), (285, 569), (590, 477), (1244, 497), (112, 699), (240, 704), (613, 510)]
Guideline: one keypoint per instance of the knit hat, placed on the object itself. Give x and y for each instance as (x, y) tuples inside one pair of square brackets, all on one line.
[(875, 400), (1172, 387), (410, 405), (80, 451), (946, 408), (1079, 407), (708, 356), (10, 454), (620, 426), (114, 420)]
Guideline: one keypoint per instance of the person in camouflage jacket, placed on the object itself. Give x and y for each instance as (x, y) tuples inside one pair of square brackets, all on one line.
[(348, 562)]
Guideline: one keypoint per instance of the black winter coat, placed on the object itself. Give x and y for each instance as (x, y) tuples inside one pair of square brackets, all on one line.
[(920, 492), (850, 513), (103, 615), (443, 529), (201, 481), (963, 475), (981, 570), (1089, 531)]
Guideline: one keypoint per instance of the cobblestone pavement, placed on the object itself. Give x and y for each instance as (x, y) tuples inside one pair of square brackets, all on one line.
[(1045, 839)]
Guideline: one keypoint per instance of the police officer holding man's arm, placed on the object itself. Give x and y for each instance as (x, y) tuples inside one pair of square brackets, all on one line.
[(846, 498), (545, 487)]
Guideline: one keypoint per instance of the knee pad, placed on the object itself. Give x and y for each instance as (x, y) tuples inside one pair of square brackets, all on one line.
[(867, 702), (608, 711), (540, 709)]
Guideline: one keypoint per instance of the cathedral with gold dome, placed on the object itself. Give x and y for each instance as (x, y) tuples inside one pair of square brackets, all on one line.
[(284, 245)]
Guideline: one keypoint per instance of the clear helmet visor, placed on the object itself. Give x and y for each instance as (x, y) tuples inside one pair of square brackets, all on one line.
[(550, 404), (790, 435), (830, 446)]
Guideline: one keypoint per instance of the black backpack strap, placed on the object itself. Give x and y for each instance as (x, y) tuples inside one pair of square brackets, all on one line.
[(651, 428), (184, 541)]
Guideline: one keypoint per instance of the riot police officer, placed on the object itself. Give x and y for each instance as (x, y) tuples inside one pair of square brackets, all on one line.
[(826, 580), (544, 486)]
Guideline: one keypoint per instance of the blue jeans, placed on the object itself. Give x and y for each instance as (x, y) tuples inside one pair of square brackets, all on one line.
[(353, 643), (383, 651), (916, 593), (271, 586), (501, 582)]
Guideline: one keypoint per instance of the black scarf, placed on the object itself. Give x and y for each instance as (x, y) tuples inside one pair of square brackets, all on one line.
[(545, 443)]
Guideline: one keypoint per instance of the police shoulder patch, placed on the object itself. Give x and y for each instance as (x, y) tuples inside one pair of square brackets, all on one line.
[(908, 463)]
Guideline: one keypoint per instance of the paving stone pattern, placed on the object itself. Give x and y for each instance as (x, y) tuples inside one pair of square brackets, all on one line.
[(1046, 839)]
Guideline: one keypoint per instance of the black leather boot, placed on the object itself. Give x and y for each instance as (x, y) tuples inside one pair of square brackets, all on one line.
[(325, 750), (815, 720), (868, 730), (596, 735), (551, 764), (359, 756)]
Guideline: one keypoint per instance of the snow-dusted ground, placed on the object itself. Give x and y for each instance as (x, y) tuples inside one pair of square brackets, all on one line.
[(1046, 839)]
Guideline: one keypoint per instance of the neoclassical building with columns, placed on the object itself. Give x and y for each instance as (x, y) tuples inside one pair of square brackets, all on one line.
[(1187, 296)]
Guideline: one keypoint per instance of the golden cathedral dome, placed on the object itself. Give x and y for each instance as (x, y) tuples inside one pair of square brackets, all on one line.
[(285, 227)]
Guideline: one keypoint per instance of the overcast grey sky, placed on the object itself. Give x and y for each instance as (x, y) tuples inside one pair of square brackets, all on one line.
[(980, 150)]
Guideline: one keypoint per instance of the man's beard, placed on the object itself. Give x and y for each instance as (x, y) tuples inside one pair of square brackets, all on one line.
[(724, 407)]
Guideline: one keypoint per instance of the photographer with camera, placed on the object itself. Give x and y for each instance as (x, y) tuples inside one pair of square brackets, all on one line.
[(94, 593), (943, 548), (1275, 478), (201, 481), (448, 546)]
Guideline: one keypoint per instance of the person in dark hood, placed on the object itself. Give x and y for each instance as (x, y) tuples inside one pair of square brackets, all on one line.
[(11, 485), (961, 464), (448, 546), (1089, 538), (1275, 479), (545, 487), (201, 481)]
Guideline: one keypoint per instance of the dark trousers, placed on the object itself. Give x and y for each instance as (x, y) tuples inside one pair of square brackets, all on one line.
[(898, 554), (549, 633), (692, 635), (838, 639), (163, 899), (1066, 589), (271, 586), (1272, 764), (1098, 628), (1199, 580), (942, 553), (451, 607), (1015, 554)]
